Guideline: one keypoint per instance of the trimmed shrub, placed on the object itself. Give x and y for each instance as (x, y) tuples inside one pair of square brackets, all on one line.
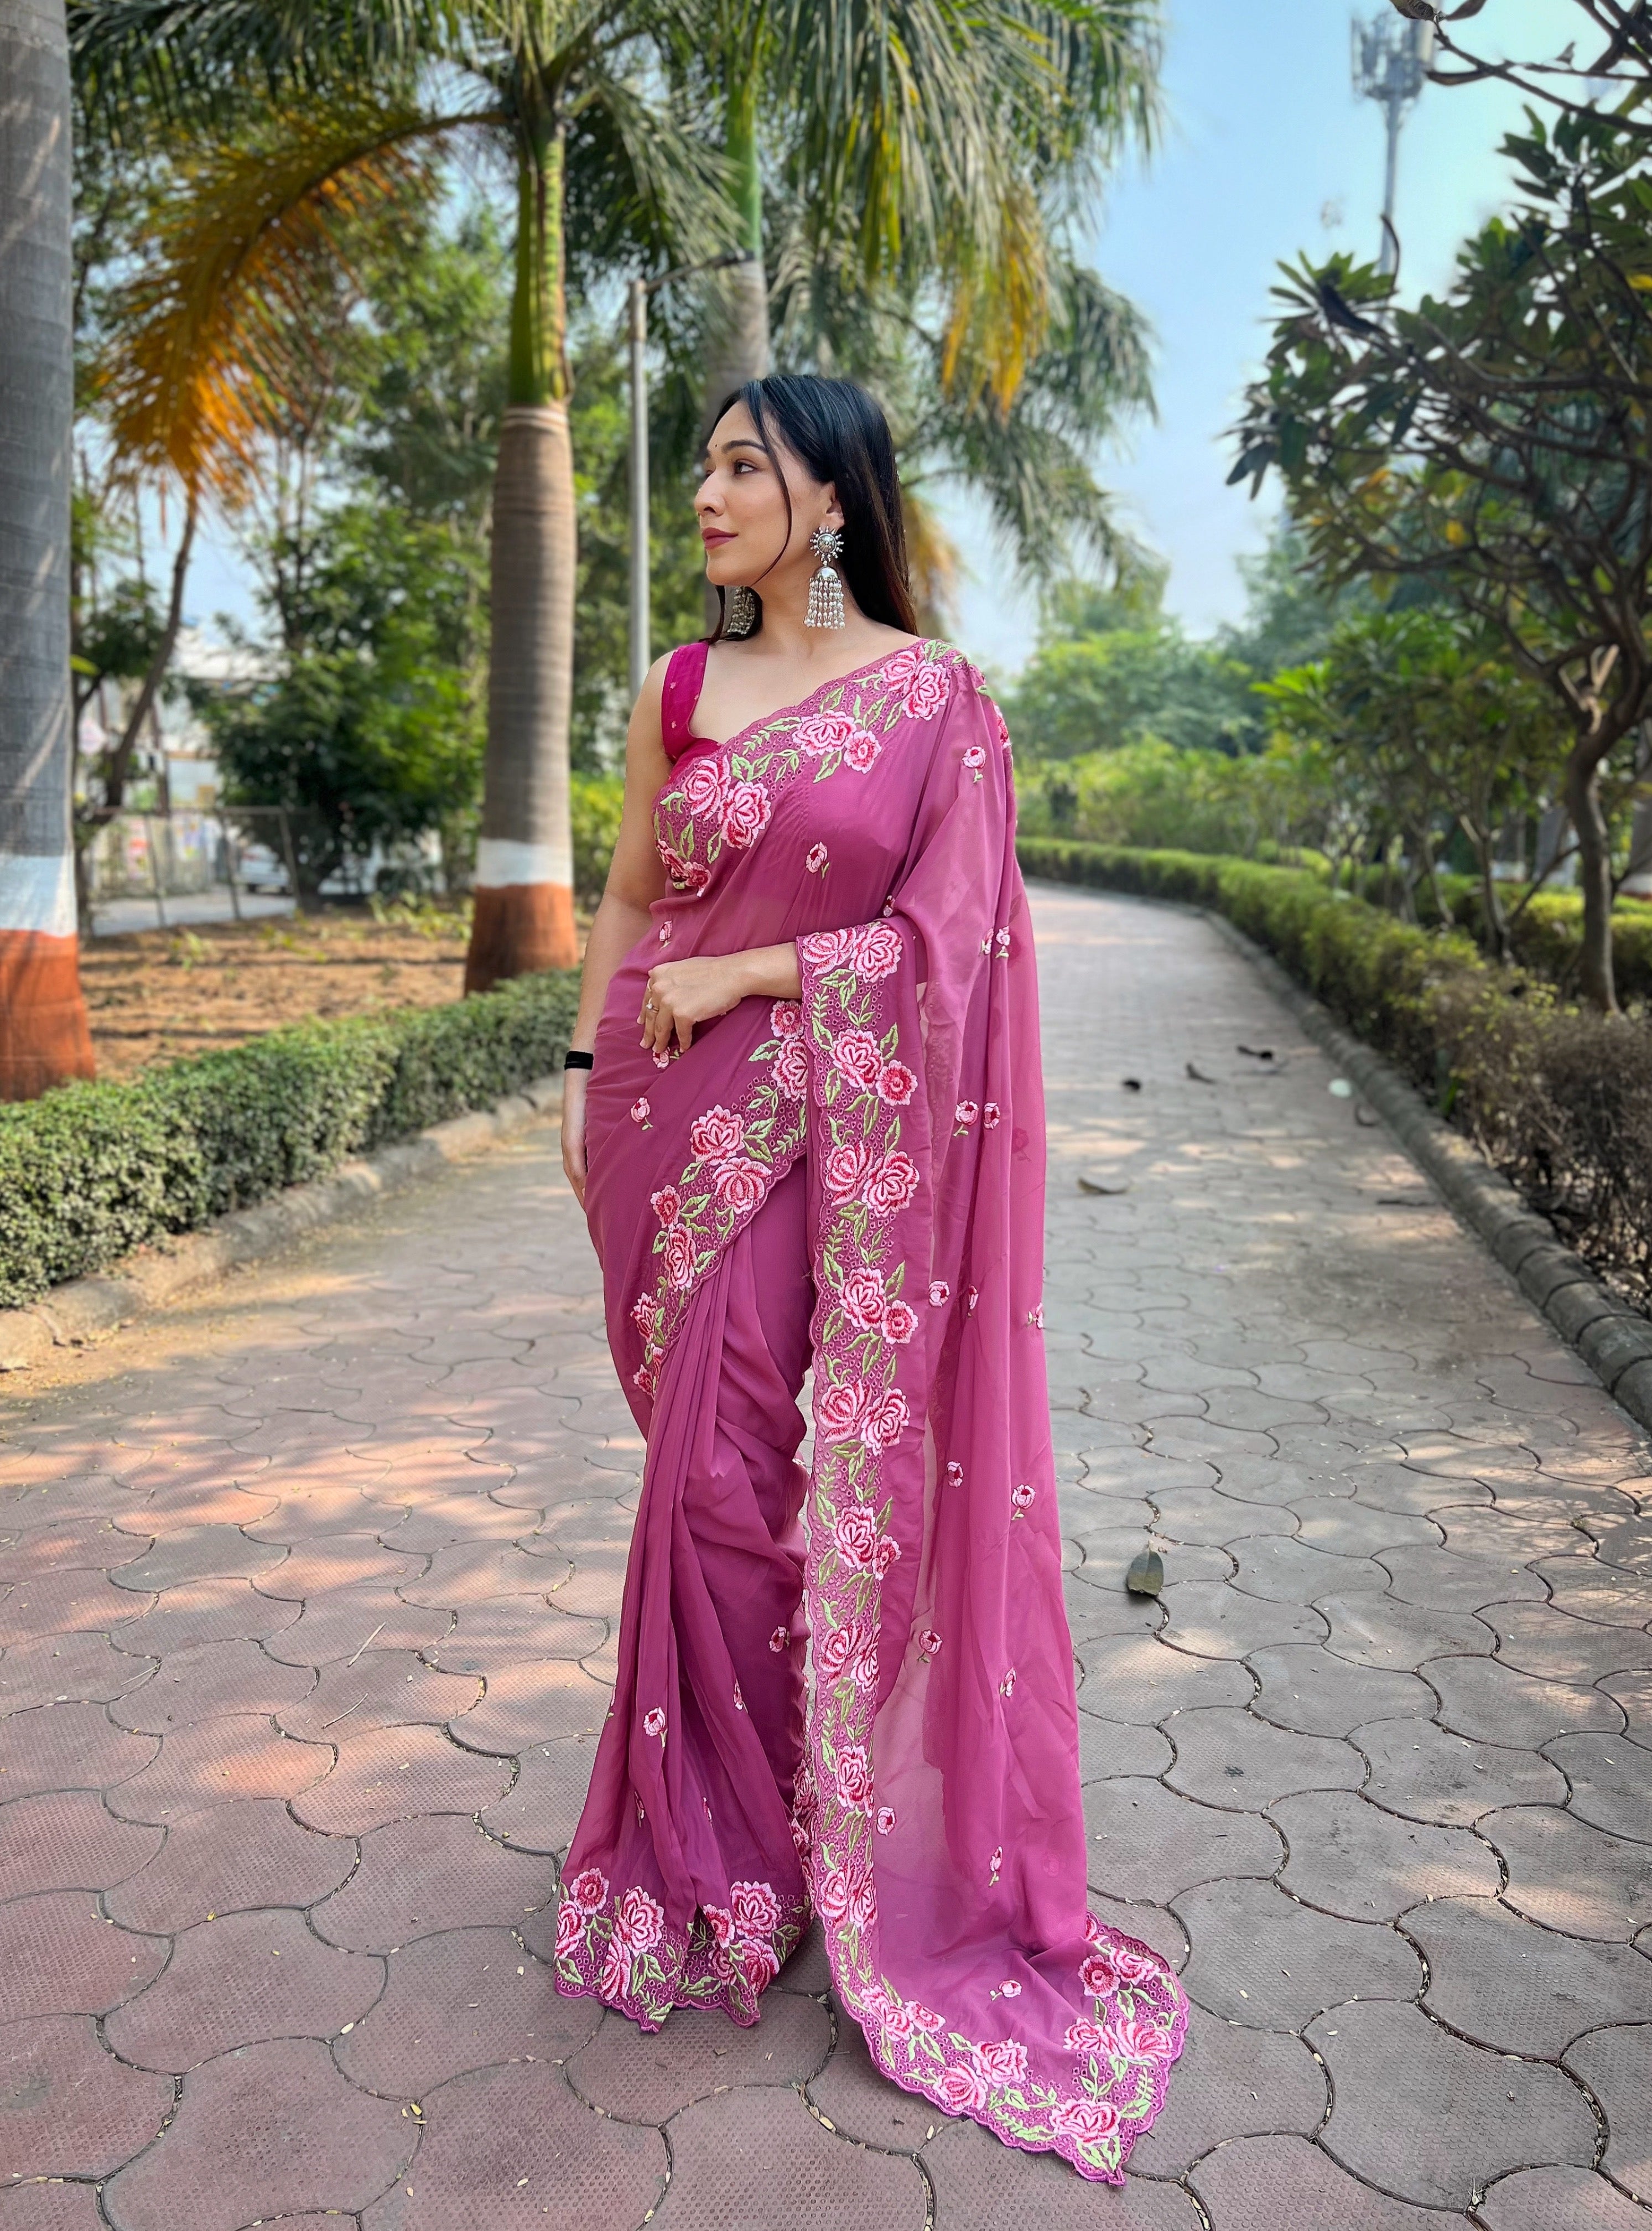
[(91, 1171), (1559, 1101)]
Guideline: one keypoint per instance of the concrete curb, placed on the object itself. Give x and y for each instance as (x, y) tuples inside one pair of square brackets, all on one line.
[(154, 1276), (1614, 1340)]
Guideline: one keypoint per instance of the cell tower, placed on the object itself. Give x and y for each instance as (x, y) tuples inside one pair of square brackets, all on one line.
[(1391, 66)]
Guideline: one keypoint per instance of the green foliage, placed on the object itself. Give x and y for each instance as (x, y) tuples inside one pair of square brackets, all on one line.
[(91, 1171), (371, 729), (1560, 1100), (595, 805)]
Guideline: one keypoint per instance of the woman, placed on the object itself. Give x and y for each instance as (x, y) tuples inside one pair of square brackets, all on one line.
[(812, 1135)]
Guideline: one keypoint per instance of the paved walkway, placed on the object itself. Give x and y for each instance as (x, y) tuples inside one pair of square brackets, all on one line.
[(309, 1602)]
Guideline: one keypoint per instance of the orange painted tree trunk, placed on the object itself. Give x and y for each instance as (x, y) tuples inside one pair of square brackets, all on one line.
[(43, 1035)]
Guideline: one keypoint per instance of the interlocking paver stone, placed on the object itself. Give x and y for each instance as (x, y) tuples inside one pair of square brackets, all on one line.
[(271, 2131), (1570, 1876), (1506, 1983), (1348, 1856), (1259, 1957), (1284, 2184), (469, 1999), (374, 1519), (1423, 1771), (239, 1981), (1392, 2070), (512, 2149), (71, 2109)]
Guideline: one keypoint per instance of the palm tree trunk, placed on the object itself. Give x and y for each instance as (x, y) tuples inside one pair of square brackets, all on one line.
[(737, 336), (523, 916), (43, 1034)]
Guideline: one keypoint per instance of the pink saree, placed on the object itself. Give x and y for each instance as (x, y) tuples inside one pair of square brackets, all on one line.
[(851, 1691)]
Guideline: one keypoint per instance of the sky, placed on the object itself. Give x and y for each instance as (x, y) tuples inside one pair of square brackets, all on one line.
[(1266, 151)]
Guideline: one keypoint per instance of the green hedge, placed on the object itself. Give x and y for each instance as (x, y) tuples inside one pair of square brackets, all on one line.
[(1548, 936), (1559, 1100), (91, 1171)]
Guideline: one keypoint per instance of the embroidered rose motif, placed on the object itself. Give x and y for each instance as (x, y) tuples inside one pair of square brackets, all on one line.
[(954, 1472), (1136, 1969), (589, 1889), (961, 2089), (975, 760), (653, 1721), (926, 2018), (679, 1253), (643, 1379), (1139, 2041), (1097, 1975), (896, 1084), (858, 1056), (664, 1060), (845, 1167), (640, 1922), (863, 1299), (745, 814), (1003, 2059), (718, 1131), (786, 1019), (643, 1312), (791, 1067), (885, 1419), (931, 688), (703, 786), (850, 1650), (640, 1111), (571, 1930), (1003, 938), (971, 1295), (891, 1185), (1007, 1686), (885, 1820), (861, 749), (823, 734), (665, 933), (838, 1410), (826, 949), (721, 1922), (1036, 1317), (755, 1963), (929, 1643), (816, 860), (995, 1863), (856, 1537), (667, 1205), (877, 951), (755, 1908), (1089, 2121), (780, 1640), (854, 1777), (966, 1113), (991, 1115), (846, 1897), (740, 1701), (899, 1322), (1084, 2037), (896, 2018), (1022, 1499), (739, 1186), (939, 1293)]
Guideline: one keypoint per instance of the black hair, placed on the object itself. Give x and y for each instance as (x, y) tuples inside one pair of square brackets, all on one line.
[(839, 433)]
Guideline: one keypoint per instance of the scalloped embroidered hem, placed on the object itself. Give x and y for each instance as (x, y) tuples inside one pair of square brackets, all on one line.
[(643, 1971)]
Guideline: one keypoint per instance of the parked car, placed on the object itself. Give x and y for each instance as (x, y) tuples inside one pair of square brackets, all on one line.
[(258, 868)]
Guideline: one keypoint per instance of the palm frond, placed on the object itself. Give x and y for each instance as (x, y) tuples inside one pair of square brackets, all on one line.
[(213, 346)]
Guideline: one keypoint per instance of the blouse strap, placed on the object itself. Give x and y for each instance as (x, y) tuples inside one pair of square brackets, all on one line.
[(685, 677)]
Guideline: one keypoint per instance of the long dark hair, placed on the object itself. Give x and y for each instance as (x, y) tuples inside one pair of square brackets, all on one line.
[(839, 434)]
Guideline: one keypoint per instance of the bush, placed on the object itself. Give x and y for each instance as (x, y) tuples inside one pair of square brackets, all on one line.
[(1548, 937), (595, 802), (91, 1171), (1559, 1101)]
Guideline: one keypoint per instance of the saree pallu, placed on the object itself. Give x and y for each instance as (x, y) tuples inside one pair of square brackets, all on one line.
[(851, 1692)]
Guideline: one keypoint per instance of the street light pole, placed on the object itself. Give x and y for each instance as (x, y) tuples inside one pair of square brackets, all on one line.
[(640, 291), (1391, 66)]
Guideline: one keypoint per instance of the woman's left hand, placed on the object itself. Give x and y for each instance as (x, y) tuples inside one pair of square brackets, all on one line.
[(683, 993)]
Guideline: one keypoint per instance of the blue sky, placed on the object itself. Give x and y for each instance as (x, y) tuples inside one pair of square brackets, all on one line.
[(1266, 151)]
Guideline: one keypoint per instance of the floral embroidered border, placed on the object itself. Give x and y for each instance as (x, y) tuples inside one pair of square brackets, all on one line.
[(1122, 2057), (616, 1947)]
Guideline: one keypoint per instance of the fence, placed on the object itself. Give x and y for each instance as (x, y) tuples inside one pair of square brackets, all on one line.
[(184, 854)]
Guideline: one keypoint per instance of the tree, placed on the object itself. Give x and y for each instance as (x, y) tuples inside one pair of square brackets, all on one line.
[(44, 1037), (1496, 443), (602, 171)]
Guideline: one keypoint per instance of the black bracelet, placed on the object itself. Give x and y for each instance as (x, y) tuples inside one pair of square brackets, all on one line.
[(572, 1060)]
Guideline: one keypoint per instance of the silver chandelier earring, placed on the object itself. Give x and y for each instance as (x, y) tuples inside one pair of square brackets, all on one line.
[(826, 590), (739, 614)]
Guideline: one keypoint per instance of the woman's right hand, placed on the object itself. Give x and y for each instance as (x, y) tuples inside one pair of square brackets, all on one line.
[(573, 1129)]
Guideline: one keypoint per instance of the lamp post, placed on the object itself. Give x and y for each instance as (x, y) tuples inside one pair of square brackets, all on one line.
[(1391, 66), (640, 291)]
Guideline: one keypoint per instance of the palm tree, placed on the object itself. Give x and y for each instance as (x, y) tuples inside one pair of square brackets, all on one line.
[(43, 1034), (924, 131), (564, 98)]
